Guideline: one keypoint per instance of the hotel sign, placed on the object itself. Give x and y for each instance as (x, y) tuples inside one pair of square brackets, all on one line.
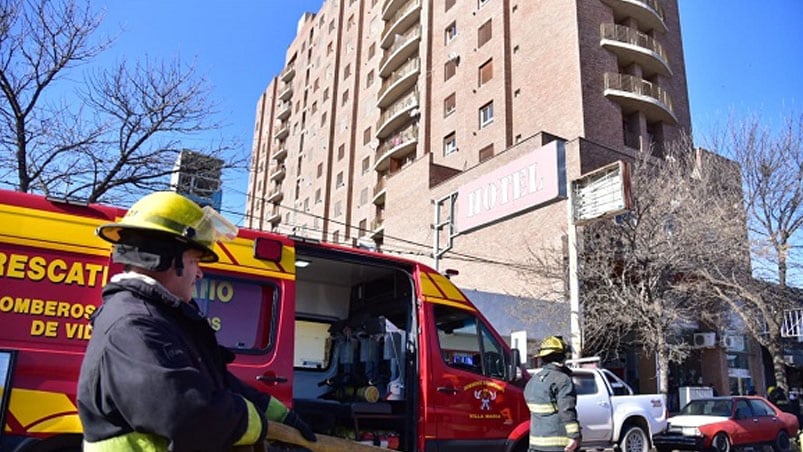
[(532, 180)]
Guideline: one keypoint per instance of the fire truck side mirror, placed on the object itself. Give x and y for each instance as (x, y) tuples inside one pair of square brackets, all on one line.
[(514, 362)]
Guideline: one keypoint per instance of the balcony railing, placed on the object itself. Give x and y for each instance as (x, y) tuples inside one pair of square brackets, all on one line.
[(393, 115), (633, 46), (379, 192), (283, 131), (401, 20), (638, 94), (390, 87), (377, 227), (648, 13), (403, 46), (287, 92), (288, 73), (274, 216), (390, 7), (284, 110), (278, 173), (275, 196), (280, 154)]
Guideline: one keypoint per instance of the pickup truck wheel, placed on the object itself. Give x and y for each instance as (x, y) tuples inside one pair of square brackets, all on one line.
[(634, 439)]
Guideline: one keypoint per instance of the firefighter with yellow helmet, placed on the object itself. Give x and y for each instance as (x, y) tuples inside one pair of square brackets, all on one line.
[(154, 377), (552, 400)]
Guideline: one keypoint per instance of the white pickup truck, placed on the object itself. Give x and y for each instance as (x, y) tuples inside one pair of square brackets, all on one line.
[(610, 414)]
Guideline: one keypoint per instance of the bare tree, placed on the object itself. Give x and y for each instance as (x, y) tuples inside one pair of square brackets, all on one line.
[(123, 135), (772, 169), (638, 273)]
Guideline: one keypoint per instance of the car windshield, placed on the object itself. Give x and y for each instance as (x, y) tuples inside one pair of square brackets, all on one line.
[(708, 407)]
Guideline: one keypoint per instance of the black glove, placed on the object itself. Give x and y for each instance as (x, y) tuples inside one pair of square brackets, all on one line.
[(294, 420)]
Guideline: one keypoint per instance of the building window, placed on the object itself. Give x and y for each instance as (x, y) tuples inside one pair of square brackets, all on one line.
[(484, 34), (450, 33), (481, 3), (362, 226), (449, 144), (345, 97), (486, 153), (341, 152), (366, 135), (336, 235), (316, 85), (449, 69), (326, 94), (369, 80), (486, 114), (363, 196), (366, 164), (339, 180), (330, 48), (338, 208), (449, 4), (449, 104), (331, 25), (320, 170), (486, 72), (318, 196), (350, 22), (314, 107), (346, 71), (323, 119), (371, 50)]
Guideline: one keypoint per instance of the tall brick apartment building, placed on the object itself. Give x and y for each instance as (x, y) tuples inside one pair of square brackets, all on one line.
[(386, 109)]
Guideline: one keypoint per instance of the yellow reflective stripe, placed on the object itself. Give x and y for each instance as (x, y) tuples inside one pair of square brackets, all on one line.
[(276, 410), (542, 408), (254, 429), (572, 427), (44, 411), (130, 442), (553, 441)]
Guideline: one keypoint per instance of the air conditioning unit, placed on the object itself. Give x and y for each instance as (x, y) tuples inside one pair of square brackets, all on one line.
[(733, 343), (453, 56), (705, 340)]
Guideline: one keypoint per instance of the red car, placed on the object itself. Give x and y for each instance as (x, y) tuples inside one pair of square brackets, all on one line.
[(721, 423)]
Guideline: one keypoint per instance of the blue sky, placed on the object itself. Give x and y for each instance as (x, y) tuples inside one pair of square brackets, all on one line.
[(742, 56)]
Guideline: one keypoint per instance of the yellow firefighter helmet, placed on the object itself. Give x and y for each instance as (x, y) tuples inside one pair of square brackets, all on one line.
[(166, 216), (552, 345)]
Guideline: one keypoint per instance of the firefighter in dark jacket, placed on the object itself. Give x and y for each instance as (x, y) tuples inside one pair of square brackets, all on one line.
[(552, 401), (154, 377)]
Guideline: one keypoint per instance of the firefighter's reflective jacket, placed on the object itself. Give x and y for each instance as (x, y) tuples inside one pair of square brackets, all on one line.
[(551, 398)]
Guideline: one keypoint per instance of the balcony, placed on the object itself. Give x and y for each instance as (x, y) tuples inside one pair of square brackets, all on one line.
[(377, 228), (379, 191), (288, 73), (286, 93), (648, 13), (284, 110), (399, 82), (632, 46), (275, 196), (397, 114), (401, 20), (396, 147), (284, 130), (277, 174), (274, 217), (403, 48), (280, 154), (635, 94), (390, 7)]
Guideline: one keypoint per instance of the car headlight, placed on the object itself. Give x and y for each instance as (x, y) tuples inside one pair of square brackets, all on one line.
[(690, 431)]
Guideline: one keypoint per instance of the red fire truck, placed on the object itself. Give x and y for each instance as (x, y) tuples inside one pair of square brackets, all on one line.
[(363, 345)]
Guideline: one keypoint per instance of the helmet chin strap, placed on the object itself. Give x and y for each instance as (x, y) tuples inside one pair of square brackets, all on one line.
[(178, 263)]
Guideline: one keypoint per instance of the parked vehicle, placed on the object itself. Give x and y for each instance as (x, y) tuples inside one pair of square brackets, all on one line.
[(611, 414), (363, 345), (723, 423)]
